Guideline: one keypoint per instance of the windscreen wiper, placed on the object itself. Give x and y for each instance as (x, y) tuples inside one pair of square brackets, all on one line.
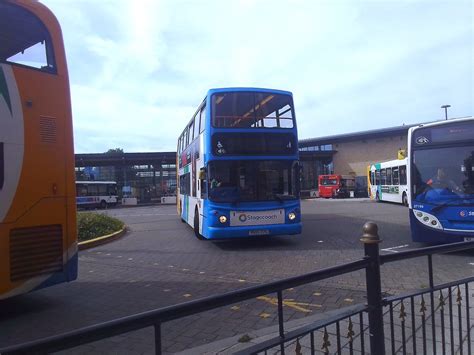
[(460, 202), (282, 197), (278, 197)]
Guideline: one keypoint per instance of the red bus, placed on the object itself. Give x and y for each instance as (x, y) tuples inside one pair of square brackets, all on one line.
[(336, 186)]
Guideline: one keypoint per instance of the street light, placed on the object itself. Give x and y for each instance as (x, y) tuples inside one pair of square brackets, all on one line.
[(446, 110)]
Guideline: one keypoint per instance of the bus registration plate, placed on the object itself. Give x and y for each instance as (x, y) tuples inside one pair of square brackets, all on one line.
[(259, 232)]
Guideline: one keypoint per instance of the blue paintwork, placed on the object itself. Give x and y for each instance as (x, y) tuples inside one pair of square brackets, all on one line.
[(69, 274), (460, 218), (213, 229)]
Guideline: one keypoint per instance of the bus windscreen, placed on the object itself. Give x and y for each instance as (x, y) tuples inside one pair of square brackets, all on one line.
[(237, 181)]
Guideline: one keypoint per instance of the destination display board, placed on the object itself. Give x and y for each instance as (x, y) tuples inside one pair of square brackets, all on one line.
[(225, 144), (455, 132)]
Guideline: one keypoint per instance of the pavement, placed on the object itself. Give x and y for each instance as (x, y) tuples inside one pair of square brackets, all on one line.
[(160, 263), (409, 334)]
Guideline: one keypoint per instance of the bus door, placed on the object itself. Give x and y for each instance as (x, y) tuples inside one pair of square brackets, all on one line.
[(375, 181)]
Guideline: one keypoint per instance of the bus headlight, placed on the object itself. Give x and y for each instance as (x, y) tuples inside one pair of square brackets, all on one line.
[(222, 219), (291, 216), (427, 219)]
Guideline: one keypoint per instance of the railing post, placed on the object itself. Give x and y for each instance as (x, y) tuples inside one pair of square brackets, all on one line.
[(371, 241)]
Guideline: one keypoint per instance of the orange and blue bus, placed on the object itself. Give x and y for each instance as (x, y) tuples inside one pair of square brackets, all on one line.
[(38, 242), (238, 165)]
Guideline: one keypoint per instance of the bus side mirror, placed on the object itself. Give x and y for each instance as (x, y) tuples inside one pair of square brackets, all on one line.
[(202, 174)]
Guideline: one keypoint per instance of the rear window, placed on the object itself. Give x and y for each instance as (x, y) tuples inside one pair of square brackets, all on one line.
[(24, 39)]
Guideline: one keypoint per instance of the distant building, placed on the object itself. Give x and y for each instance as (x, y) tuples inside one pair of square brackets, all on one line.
[(349, 154), (146, 176), (152, 175)]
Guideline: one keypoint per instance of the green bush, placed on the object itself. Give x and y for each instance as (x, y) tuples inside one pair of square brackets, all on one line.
[(92, 225)]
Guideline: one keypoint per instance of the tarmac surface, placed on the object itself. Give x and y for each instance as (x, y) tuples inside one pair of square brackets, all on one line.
[(160, 263)]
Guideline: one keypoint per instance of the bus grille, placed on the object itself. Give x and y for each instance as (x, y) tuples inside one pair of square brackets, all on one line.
[(48, 129), (35, 251)]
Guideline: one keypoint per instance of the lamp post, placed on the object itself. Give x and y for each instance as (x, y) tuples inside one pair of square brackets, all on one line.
[(446, 110)]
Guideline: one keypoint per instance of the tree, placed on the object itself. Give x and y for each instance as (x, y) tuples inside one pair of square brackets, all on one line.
[(116, 151)]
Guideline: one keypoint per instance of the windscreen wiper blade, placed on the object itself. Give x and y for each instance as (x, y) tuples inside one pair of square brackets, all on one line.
[(460, 202), (278, 197)]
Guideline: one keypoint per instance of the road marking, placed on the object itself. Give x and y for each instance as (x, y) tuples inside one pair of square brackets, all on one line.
[(290, 303), (241, 280), (235, 308), (317, 294), (349, 300), (471, 264), (264, 315), (187, 295), (392, 249)]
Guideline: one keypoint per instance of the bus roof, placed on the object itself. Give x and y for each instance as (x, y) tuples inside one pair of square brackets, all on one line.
[(438, 123), (247, 89)]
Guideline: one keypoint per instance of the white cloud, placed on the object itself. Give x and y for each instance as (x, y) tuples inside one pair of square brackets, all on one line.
[(139, 69)]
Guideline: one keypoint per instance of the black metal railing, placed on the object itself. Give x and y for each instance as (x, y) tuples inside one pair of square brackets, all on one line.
[(433, 319)]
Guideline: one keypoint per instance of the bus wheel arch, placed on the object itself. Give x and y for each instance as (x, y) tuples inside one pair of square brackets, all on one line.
[(196, 225), (103, 205), (404, 199)]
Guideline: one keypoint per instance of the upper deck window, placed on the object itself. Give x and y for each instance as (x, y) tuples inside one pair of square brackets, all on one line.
[(24, 39), (252, 110)]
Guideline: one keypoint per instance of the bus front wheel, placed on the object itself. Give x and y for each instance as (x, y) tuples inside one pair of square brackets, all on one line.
[(196, 225), (103, 205)]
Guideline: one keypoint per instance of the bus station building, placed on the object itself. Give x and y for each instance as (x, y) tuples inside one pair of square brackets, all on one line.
[(149, 176)]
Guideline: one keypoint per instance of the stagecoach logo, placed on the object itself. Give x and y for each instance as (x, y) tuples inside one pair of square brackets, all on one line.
[(255, 218), (422, 140)]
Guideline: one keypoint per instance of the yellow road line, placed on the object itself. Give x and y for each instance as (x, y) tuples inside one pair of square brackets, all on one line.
[(290, 303)]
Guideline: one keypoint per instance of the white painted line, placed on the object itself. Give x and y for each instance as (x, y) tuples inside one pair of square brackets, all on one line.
[(471, 264), (392, 249)]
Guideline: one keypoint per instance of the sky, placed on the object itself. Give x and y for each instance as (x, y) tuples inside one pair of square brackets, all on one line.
[(139, 69)]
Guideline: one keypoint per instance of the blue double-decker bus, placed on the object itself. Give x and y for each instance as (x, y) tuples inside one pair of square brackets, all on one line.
[(441, 181), (238, 168)]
